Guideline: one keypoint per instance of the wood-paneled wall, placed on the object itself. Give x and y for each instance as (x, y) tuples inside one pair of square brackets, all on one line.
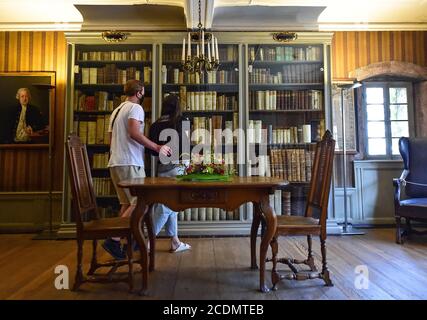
[(27, 169), (352, 50)]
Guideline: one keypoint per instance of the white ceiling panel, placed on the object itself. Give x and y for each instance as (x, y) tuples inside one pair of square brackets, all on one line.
[(39, 15), (349, 14), (221, 14), (132, 17), (265, 17)]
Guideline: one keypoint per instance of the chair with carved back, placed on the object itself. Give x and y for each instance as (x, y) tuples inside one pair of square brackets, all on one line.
[(413, 185), (317, 204), (88, 223)]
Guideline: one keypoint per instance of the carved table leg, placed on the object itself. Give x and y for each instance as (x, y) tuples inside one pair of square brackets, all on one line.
[(262, 226), (136, 226), (271, 225), (151, 236), (256, 219)]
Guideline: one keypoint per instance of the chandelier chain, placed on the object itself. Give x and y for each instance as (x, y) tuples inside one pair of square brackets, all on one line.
[(200, 15)]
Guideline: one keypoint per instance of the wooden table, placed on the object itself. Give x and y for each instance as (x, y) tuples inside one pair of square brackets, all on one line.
[(180, 195)]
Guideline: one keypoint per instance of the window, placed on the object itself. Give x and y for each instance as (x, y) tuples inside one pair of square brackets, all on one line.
[(388, 116)]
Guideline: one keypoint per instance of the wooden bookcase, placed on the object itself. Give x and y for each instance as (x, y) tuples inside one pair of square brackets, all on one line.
[(209, 101), (99, 72), (287, 115), (260, 84)]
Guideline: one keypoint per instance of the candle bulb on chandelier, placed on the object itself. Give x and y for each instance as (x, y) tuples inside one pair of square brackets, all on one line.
[(203, 43), (209, 51), (189, 46), (213, 47), (216, 49), (197, 52), (183, 50)]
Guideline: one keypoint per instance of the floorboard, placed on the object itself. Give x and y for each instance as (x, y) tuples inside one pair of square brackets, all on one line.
[(218, 268)]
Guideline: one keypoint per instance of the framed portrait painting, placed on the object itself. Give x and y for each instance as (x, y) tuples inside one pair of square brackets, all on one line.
[(27, 101)]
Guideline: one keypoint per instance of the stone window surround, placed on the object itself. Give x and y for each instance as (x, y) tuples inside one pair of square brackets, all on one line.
[(411, 71)]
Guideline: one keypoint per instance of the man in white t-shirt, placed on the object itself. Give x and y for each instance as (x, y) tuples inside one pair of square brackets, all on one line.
[(127, 152)]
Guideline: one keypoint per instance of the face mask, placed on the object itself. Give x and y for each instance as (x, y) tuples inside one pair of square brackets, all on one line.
[(140, 97)]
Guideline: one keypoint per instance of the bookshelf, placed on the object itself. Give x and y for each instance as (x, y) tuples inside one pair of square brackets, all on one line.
[(260, 84), (286, 90), (210, 101), (100, 71)]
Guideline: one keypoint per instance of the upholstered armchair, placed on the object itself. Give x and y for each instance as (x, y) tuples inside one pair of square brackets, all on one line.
[(413, 184)]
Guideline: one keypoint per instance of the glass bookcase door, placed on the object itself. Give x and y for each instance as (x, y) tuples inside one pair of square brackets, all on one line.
[(211, 102), (286, 117), (100, 71)]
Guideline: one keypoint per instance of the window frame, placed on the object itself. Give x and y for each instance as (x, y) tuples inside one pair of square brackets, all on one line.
[(386, 85)]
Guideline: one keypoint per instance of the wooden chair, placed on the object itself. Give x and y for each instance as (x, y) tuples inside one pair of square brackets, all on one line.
[(317, 203), (89, 225), (413, 184)]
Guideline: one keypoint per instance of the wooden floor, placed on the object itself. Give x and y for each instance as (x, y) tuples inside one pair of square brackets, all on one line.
[(217, 268)]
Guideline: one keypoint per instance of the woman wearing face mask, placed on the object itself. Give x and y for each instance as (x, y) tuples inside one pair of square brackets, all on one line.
[(127, 143)]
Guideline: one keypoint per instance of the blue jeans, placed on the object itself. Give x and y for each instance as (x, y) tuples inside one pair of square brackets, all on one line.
[(162, 215)]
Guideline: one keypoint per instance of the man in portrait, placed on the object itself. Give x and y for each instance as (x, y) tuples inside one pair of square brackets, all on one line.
[(27, 123)]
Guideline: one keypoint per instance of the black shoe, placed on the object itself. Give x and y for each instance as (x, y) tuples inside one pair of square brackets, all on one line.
[(114, 248), (135, 247)]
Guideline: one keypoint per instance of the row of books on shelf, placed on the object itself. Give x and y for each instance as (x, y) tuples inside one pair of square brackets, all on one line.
[(293, 164), (286, 100), (129, 55), (103, 187), (283, 202), (285, 53), (293, 135), (110, 74), (95, 129), (208, 125), (108, 212), (226, 53), (206, 100), (99, 101), (177, 76), (102, 101), (259, 132), (100, 160), (294, 73), (276, 202), (208, 214)]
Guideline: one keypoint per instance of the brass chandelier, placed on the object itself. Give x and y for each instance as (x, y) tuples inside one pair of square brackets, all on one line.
[(198, 61)]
